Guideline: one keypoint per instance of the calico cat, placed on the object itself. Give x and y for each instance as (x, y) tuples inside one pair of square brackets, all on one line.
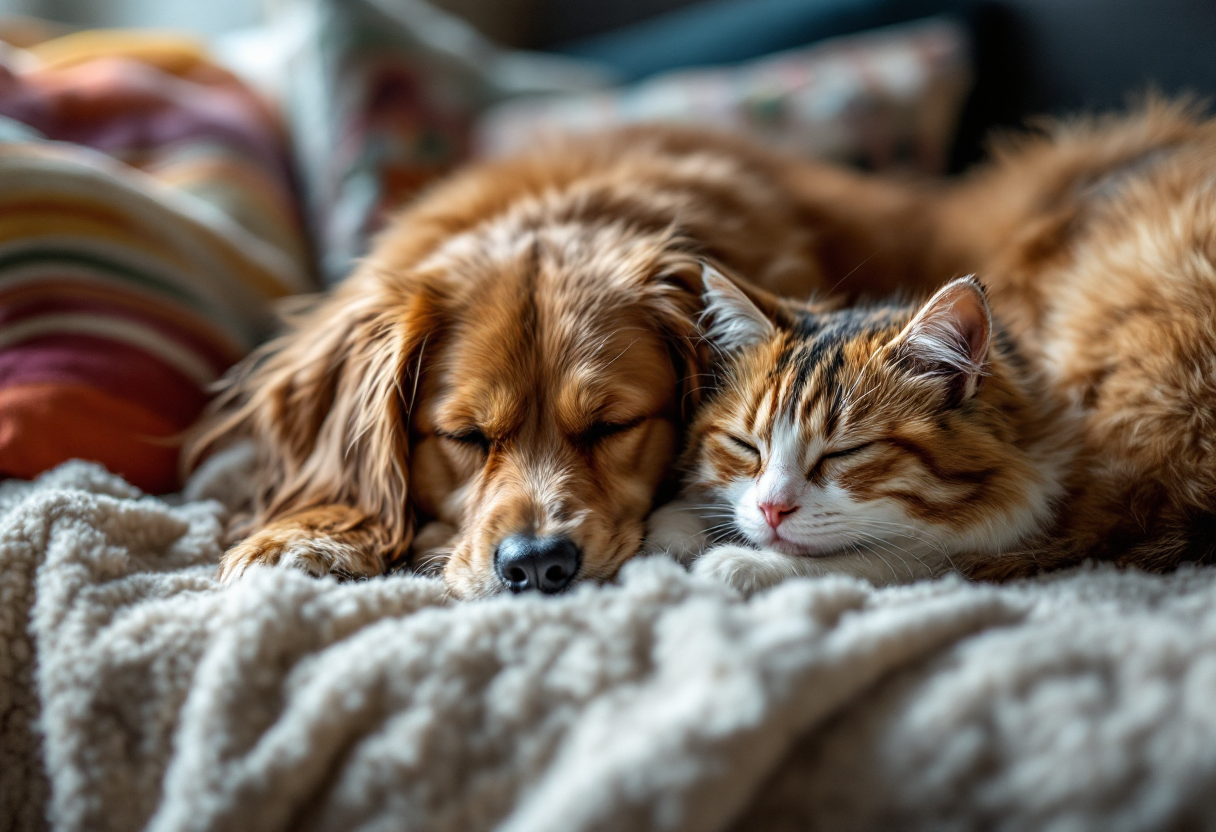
[(1066, 413), (882, 441)]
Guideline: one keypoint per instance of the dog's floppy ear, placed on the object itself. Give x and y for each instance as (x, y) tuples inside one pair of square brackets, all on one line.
[(327, 406), (672, 297), (682, 296)]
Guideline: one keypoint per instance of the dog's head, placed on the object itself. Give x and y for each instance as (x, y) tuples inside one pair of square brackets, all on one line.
[(550, 405), (522, 383)]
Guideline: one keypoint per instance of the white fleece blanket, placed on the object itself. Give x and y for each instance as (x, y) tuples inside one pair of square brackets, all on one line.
[(136, 693)]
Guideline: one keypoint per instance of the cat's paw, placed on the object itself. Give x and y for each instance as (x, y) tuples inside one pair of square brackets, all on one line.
[(748, 570)]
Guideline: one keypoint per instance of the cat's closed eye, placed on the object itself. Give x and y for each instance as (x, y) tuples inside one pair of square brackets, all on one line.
[(742, 445), (843, 452)]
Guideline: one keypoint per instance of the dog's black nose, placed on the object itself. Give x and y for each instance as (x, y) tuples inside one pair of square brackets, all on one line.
[(526, 562)]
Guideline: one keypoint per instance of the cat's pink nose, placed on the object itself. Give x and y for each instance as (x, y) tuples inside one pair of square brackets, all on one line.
[(774, 513)]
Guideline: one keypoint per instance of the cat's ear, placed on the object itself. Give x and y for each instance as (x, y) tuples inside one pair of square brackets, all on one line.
[(950, 335), (734, 320)]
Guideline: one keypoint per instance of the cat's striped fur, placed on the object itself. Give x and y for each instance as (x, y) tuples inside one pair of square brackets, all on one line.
[(878, 441)]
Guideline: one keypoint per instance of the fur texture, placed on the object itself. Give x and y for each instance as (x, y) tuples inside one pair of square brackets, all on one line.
[(1098, 244), (891, 441), (520, 351)]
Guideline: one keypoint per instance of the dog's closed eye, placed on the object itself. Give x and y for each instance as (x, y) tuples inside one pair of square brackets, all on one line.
[(599, 431), (468, 437)]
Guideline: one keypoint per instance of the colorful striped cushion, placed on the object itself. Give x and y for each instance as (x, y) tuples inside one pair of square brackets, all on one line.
[(147, 223)]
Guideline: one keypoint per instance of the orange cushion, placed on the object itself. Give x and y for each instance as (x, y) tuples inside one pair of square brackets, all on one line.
[(41, 426)]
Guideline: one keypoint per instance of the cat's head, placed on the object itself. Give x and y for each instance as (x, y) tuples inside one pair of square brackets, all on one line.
[(836, 430)]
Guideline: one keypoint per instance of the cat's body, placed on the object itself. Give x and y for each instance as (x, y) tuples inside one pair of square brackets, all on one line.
[(1080, 423)]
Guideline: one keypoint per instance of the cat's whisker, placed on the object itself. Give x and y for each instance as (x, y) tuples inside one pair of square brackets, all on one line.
[(903, 554), (894, 550), (904, 530), (722, 511), (887, 563), (688, 393), (912, 534), (725, 527), (936, 545), (722, 535)]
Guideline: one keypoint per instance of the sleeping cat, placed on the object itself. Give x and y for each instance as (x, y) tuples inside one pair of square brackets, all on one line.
[(1066, 413), (880, 442)]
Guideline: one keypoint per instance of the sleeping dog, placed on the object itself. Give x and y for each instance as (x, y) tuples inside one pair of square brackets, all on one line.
[(502, 386)]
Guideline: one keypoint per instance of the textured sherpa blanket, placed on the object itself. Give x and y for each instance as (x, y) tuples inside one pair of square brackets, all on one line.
[(137, 693)]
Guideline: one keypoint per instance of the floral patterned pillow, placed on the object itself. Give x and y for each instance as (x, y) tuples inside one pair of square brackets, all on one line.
[(885, 98)]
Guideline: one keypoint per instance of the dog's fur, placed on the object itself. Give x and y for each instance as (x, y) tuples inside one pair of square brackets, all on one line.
[(520, 351), (1097, 242)]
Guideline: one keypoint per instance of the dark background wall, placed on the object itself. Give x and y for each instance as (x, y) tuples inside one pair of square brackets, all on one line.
[(1060, 56)]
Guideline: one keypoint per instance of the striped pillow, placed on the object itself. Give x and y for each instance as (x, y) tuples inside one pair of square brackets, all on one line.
[(146, 226)]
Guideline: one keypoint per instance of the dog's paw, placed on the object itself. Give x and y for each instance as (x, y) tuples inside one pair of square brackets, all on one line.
[(748, 570), (317, 556), (305, 544)]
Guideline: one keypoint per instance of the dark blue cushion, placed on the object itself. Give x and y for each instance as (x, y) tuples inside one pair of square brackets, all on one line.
[(729, 31)]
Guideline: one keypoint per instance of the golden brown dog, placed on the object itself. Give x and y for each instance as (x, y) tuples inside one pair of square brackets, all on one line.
[(512, 366)]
